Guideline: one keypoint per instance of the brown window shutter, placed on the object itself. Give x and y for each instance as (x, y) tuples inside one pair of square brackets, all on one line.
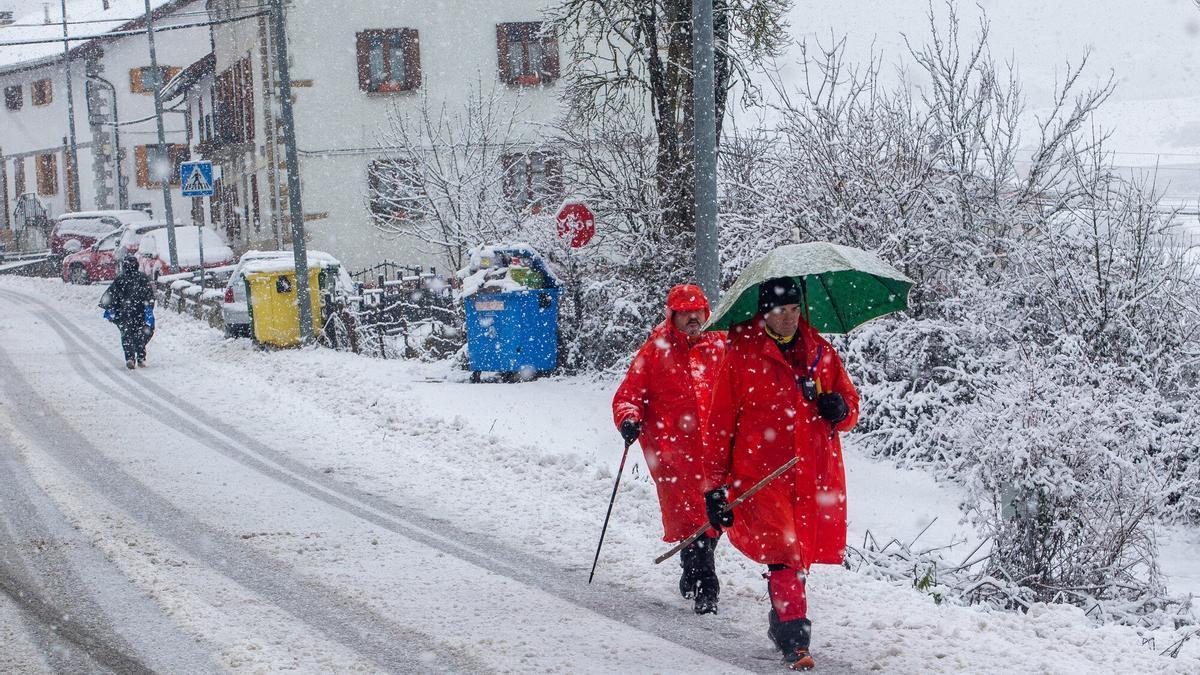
[(47, 175), (412, 58), (135, 80), (19, 176), (502, 53), (550, 48), (364, 60), (143, 166), (247, 100)]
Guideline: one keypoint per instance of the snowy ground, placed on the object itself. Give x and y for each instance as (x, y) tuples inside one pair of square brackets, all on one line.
[(235, 510)]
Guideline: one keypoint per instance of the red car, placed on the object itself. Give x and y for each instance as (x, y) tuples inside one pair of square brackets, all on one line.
[(153, 250), (98, 262), (74, 232)]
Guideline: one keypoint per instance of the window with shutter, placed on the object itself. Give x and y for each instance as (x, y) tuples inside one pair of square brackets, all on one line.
[(13, 97), (533, 180), (47, 175), (147, 156), (41, 92), (527, 53), (145, 80), (389, 60)]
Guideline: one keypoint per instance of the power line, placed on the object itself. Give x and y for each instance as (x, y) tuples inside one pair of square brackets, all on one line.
[(125, 33), (121, 21)]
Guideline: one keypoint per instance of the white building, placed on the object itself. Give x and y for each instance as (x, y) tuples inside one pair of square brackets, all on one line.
[(111, 80), (352, 64)]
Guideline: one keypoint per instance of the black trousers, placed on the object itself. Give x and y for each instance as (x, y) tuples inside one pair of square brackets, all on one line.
[(133, 340)]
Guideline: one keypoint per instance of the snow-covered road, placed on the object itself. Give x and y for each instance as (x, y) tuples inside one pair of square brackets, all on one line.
[(371, 583), (233, 510)]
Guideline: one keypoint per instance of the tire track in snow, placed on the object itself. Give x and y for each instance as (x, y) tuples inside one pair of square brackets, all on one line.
[(626, 606), (343, 620)]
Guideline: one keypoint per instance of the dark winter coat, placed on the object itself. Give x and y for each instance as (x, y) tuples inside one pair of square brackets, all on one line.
[(759, 420), (129, 295), (667, 389)]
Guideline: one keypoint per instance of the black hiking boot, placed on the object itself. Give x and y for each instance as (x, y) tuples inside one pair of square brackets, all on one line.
[(708, 586), (130, 364), (689, 579), (792, 639)]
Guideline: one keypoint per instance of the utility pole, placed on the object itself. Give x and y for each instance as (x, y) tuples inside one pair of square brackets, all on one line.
[(295, 208), (163, 150), (72, 154), (708, 262)]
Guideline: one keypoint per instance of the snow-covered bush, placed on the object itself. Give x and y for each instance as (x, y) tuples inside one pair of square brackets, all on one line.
[(1048, 359)]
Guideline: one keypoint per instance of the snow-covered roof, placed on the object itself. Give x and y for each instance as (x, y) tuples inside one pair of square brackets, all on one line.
[(185, 78), (86, 18)]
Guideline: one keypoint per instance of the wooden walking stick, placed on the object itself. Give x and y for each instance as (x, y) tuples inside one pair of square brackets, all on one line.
[(611, 501), (741, 498)]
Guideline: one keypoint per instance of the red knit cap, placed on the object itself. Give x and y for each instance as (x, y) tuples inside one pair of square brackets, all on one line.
[(687, 298)]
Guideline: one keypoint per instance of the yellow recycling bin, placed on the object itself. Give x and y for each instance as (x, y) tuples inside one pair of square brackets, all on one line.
[(274, 312)]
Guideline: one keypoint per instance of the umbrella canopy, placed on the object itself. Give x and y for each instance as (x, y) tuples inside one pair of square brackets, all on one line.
[(846, 287)]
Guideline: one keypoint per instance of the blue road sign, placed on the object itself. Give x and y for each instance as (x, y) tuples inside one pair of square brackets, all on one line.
[(196, 179)]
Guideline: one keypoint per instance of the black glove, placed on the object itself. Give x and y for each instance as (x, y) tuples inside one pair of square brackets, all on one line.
[(714, 503), (832, 407), (630, 431)]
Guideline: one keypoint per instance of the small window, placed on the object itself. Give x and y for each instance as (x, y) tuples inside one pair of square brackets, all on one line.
[(42, 92), (153, 165), (146, 80), (47, 175), (533, 181), (392, 189), (13, 97), (528, 53), (389, 60)]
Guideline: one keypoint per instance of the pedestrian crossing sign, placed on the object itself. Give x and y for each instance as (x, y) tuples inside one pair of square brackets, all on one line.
[(196, 179)]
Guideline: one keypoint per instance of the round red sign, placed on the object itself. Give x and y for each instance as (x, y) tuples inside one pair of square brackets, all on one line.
[(577, 221)]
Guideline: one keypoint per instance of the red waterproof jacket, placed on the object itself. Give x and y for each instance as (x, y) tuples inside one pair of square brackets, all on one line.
[(667, 389), (760, 420)]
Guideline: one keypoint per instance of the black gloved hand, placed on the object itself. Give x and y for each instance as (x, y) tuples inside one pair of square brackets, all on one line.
[(832, 407), (714, 503), (630, 431)]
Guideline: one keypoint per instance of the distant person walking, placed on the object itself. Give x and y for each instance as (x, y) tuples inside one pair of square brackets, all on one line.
[(664, 402), (129, 303)]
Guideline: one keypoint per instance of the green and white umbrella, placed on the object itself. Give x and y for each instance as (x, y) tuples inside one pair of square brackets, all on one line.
[(845, 286)]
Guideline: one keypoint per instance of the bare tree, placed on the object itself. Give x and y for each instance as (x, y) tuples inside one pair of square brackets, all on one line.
[(643, 49), (442, 181)]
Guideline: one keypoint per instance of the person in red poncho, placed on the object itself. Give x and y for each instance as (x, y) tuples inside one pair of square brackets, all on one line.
[(664, 402), (781, 392)]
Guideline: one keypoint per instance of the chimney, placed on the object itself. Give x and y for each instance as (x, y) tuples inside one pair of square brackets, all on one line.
[(46, 12)]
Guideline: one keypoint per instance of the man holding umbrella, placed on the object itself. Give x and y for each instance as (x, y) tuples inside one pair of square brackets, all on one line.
[(664, 402), (783, 393)]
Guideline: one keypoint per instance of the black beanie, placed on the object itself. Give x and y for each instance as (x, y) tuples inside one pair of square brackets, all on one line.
[(777, 292)]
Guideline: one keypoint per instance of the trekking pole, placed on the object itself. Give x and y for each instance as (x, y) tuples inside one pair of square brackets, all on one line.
[(611, 500), (729, 507)]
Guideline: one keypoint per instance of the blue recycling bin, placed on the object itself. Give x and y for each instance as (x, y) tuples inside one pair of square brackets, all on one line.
[(513, 332)]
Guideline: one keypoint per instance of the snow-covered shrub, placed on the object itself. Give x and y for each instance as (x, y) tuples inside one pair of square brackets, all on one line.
[(1048, 359)]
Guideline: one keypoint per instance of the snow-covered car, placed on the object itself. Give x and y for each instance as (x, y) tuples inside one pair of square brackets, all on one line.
[(236, 312), (154, 256), (76, 231), (98, 262)]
